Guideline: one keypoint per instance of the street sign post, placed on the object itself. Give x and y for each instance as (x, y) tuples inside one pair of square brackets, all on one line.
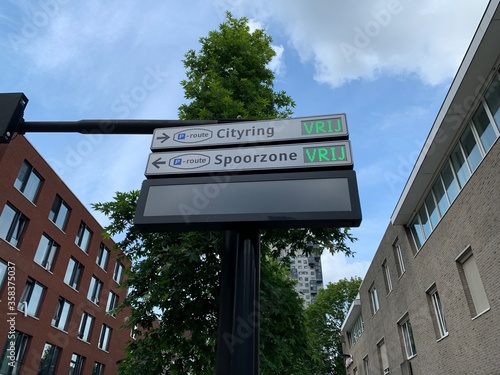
[(278, 157), (251, 132), (243, 177)]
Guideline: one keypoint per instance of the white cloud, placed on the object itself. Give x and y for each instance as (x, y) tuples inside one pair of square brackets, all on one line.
[(338, 267), (347, 41)]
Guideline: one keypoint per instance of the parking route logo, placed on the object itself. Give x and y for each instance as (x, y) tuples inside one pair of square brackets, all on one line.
[(189, 161), (193, 135)]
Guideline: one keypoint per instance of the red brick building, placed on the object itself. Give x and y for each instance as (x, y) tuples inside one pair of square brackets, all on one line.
[(59, 278)]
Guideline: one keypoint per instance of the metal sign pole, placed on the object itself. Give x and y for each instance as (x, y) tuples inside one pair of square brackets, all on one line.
[(239, 321)]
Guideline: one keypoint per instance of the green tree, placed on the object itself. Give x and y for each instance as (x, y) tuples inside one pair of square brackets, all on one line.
[(323, 320), (174, 277), (230, 77)]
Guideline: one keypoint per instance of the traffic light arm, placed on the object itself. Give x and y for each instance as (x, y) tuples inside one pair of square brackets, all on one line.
[(12, 107)]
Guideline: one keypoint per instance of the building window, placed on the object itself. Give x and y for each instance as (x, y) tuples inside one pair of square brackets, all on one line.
[(98, 369), (118, 271), (9, 365), (112, 302), (12, 225), (48, 362), (102, 256), (104, 337), (28, 181), (476, 295), (486, 131), (46, 252), (387, 276), (83, 237), (374, 299), (94, 290), (73, 273), (31, 298), (366, 366), (408, 339), (3, 273), (59, 212), (62, 313), (76, 364), (85, 328), (356, 331), (492, 98), (384, 359), (398, 254), (439, 320)]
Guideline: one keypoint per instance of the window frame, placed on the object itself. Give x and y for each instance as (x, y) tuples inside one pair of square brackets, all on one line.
[(76, 364), (75, 277), (24, 181), (95, 289), (85, 327), (54, 352), (16, 228), (21, 345), (118, 272), (408, 337), (387, 276), (374, 299), (63, 308), (102, 257), (112, 302), (104, 337), (55, 212), (25, 304), (48, 258), (83, 237), (438, 313)]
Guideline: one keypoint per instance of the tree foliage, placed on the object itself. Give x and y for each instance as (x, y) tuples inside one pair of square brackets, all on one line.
[(230, 77), (174, 276), (323, 320)]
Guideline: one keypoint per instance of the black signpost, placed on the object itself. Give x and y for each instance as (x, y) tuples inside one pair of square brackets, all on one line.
[(235, 176), (241, 178)]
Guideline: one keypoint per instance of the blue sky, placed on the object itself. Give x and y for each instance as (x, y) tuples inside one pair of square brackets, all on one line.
[(387, 64)]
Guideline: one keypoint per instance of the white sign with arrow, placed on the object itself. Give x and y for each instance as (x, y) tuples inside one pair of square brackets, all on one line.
[(301, 128), (330, 154)]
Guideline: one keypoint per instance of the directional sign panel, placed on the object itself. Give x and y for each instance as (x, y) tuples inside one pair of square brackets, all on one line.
[(308, 155), (317, 199), (238, 133)]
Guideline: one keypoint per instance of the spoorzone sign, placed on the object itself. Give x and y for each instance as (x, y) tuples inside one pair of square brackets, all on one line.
[(309, 155)]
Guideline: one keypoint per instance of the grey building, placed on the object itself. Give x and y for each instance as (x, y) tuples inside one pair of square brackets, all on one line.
[(430, 302), (306, 270)]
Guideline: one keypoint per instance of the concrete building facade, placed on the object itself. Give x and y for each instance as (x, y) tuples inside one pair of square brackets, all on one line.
[(59, 278), (307, 271), (430, 302)]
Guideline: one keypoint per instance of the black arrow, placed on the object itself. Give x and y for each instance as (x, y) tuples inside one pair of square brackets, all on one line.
[(163, 138), (157, 163)]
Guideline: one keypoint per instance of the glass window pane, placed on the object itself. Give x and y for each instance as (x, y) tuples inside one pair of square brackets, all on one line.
[(471, 149), (22, 176), (440, 195), (3, 272), (459, 165), (450, 183), (484, 128), (416, 230), (6, 221), (32, 186), (493, 100), (424, 220), (432, 210)]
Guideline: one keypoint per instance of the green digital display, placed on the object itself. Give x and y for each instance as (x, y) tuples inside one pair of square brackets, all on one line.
[(324, 154), (323, 126)]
